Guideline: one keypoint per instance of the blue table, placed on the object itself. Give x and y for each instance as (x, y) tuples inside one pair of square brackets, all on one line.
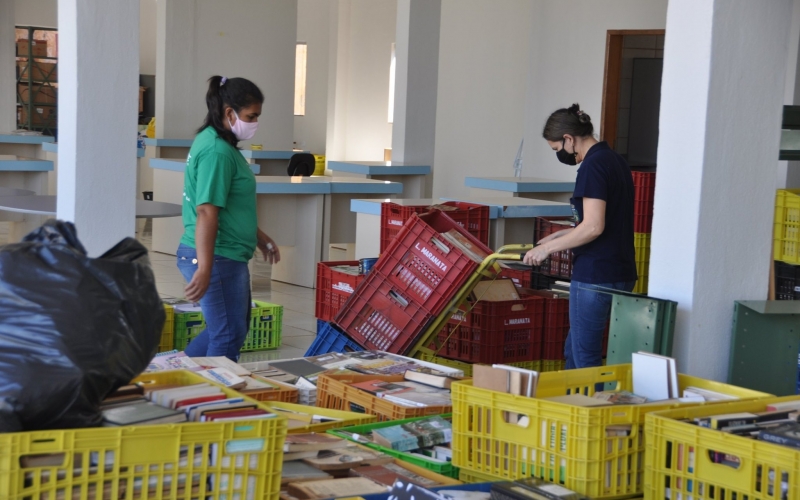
[(29, 146), (272, 162), (416, 178), (523, 187)]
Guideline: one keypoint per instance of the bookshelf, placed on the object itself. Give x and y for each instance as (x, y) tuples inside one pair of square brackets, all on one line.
[(37, 79)]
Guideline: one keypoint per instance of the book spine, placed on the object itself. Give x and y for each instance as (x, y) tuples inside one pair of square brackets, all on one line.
[(779, 439)]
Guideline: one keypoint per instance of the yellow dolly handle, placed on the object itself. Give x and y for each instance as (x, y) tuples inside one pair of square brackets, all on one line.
[(488, 263)]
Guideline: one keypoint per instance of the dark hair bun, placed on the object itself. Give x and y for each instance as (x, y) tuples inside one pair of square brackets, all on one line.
[(571, 120)]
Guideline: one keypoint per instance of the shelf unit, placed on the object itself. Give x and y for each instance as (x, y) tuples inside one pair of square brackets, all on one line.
[(37, 83)]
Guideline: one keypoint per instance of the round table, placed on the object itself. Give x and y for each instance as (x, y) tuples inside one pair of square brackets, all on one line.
[(46, 205)]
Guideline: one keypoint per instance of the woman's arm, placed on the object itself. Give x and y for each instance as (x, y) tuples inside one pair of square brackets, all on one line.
[(205, 237), (269, 249), (557, 234), (593, 225)]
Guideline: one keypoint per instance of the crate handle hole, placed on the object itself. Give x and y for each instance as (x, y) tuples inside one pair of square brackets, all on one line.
[(441, 246), (518, 307), (42, 459), (725, 459), (397, 298)]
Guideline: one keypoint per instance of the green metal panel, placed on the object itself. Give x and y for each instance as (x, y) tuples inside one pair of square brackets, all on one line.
[(764, 347), (639, 323)]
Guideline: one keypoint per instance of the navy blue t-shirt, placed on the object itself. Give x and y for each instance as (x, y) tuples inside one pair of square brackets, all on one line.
[(605, 175)]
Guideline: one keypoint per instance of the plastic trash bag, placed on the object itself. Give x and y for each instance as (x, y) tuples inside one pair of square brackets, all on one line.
[(72, 328)]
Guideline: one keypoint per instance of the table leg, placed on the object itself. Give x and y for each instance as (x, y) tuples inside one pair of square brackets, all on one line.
[(368, 236), (167, 232)]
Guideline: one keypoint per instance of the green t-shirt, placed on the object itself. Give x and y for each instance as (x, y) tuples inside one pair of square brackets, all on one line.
[(218, 174)]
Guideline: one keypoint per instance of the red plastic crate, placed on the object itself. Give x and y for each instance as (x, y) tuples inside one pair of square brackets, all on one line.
[(556, 328), (520, 277), (644, 184), (474, 218), (423, 266), (558, 264), (334, 288), (376, 317), (413, 281)]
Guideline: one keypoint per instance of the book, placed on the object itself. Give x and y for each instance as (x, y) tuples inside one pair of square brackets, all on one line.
[(786, 435), (299, 455), (732, 419), (221, 362), (709, 395), (380, 388), (143, 413), (432, 380), (619, 397), (785, 405), (498, 290), (467, 247), (431, 431), (180, 404), (177, 361), (293, 472), (396, 437), (224, 376), (403, 490), (346, 458), (651, 377), (298, 367), (312, 442), (125, 393), (415, 399), (391, 473), (334, 488)]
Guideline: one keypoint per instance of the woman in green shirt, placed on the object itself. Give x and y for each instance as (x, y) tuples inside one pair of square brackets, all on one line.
[(219, 218)]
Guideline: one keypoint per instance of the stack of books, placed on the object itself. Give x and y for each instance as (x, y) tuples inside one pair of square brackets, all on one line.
[(320, 466)]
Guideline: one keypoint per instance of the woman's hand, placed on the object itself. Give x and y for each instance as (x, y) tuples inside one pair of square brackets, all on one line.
[(536, 255), (269, 249), (197, 288)]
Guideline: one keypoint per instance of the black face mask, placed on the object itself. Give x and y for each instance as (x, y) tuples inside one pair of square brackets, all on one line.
[(564, 157)]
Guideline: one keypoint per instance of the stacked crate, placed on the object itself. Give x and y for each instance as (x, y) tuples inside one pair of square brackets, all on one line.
[(786, 245), (336, 282), (644, 184)]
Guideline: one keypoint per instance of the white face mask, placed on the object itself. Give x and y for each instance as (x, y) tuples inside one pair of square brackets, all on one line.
[(243, 130)]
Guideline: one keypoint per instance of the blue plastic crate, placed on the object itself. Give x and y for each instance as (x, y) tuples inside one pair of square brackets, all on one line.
[(331, 339)]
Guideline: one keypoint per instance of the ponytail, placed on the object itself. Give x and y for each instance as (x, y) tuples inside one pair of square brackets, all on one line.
[(236, 93)]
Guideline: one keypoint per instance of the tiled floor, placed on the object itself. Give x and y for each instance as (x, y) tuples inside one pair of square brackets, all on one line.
[(299, 324)]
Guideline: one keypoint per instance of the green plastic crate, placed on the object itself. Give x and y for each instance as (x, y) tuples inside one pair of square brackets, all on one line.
[(265, 327), (445, 469)]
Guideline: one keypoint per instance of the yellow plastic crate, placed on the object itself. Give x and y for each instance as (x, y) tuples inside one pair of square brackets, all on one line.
[(176, 461), (466, 367), (470, 476), (561, 443), (679, 458), (168, 332), (344, 418), (787, 226), (641, 244)]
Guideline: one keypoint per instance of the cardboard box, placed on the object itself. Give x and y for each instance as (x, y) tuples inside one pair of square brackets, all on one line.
[(38, 48), (42, 115), (42, 94), (40, 71)]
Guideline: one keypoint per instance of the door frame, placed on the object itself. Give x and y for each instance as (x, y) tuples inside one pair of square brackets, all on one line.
[(611, 80)]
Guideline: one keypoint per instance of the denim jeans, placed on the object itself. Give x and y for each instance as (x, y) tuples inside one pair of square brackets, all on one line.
[(226, 305), (589, 310)]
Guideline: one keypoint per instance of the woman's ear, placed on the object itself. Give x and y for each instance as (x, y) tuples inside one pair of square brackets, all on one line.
[(230, 115)]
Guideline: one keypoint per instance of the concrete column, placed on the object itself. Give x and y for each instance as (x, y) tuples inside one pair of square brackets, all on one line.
[(416, 82), (8, 87), (97, 110), (721, 100), (338, 73)]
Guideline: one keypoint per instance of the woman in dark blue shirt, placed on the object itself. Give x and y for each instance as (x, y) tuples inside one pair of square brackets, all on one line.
[(602, 239)]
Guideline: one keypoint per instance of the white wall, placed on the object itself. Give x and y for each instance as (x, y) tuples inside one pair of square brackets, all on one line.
[(484, 50), (147, 37), (568, 64), (372, 32), (42, 13), (313, 20), (197, 39)]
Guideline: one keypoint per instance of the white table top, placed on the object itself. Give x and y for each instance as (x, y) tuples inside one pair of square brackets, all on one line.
[(13, 163), (379, 167), (521, 184), (46, 205)]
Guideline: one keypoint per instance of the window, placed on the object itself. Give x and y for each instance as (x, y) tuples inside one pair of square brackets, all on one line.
[(391, 87), (301, 57)]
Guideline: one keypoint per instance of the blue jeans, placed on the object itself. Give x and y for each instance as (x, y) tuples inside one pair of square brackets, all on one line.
[(226, 305), (589, 310)]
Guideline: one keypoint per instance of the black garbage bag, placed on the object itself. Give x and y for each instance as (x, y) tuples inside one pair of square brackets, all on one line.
[(72, 328)]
